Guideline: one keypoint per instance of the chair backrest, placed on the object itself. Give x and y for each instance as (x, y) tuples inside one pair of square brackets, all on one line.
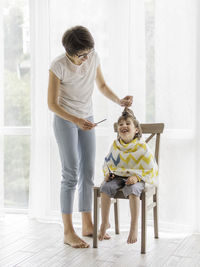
[(152, 129)]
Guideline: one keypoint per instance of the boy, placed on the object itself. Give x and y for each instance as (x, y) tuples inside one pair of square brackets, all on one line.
[(129, 164)]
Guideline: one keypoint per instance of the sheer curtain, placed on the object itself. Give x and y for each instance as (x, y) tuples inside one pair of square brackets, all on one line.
[(40, 138), (197, 119), (175, 49), (118, 30), (1, 115)]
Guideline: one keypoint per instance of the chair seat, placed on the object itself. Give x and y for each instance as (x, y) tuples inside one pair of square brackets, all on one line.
[(149, 189)]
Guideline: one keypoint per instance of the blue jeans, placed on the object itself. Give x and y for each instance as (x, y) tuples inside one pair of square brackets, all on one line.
[(77, 153)]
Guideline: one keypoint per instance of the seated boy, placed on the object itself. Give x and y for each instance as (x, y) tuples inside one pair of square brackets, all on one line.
[(129, 164)]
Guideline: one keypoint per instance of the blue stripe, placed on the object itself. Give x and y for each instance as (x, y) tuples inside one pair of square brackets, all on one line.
[(116, 162)]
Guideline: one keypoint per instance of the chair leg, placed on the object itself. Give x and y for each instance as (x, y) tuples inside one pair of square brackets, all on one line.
[(96, 213), (116, 214), (143, 224), (155, 216)]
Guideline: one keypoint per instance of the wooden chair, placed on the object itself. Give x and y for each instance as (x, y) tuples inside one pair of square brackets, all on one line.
[(150, 191)]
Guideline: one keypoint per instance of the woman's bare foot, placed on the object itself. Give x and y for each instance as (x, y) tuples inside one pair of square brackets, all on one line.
[(75, 241), (87, 231), (87, 225), (102, 234), (132, 238)]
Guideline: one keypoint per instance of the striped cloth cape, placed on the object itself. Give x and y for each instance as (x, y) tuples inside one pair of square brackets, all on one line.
[(134, 158)]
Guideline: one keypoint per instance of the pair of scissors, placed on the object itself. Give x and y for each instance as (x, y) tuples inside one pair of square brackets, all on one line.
[(100, 121)]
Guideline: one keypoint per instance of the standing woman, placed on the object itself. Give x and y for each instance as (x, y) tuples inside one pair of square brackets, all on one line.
[(71, 84)]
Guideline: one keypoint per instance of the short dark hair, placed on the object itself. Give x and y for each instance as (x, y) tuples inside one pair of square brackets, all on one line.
[(77, 39)]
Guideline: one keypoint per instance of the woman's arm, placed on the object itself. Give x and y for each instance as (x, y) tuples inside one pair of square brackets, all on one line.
[(105, 90), (53, 105), (53, 87)]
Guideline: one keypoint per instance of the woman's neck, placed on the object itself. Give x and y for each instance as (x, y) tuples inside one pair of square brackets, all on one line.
[(73, 60)]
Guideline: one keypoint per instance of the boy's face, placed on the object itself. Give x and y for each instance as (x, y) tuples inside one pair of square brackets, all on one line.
[(127, 130)]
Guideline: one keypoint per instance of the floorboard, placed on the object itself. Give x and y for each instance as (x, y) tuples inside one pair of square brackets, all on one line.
[(28, 243)]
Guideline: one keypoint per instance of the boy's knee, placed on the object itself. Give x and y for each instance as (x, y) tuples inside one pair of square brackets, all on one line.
[(104, 195), (104, 187), (133, 196), (107, 189)]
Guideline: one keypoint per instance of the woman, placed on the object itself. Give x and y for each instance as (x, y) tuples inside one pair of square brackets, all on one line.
[(71, 84)]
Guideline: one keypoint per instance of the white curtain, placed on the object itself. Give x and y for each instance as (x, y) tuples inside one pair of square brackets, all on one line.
[(197, 139), (1, 115), (175, 49), (119, 31), (39, 202)]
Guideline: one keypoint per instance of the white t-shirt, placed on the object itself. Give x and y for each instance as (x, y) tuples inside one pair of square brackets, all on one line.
[(76, 84)]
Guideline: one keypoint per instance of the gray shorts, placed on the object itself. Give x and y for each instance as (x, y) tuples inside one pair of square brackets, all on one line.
[(111, 187)]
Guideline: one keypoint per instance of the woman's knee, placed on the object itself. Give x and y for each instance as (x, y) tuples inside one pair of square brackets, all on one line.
[(69, 177), (87, 175), (69, 184)]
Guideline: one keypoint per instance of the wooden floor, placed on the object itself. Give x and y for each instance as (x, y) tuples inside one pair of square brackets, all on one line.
[(25, 243)]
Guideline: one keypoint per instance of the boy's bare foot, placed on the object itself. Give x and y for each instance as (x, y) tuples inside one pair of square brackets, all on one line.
[(132, 238), (75, 241), (102, 234)]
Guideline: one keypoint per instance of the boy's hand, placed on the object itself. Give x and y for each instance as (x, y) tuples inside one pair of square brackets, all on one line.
[(132, 180), (108, 177)]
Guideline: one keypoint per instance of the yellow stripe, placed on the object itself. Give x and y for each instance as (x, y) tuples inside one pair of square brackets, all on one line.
[(115, 145), (147, 159), (133, 149), (140, 167), (128, 158), (144, 173)]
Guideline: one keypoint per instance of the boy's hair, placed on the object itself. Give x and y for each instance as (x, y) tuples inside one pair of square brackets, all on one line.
[(77, 39), (128, 113)]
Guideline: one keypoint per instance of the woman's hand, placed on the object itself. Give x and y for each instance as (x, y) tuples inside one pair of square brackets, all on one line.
[(84, 124), (126, 101), (132, 180)]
